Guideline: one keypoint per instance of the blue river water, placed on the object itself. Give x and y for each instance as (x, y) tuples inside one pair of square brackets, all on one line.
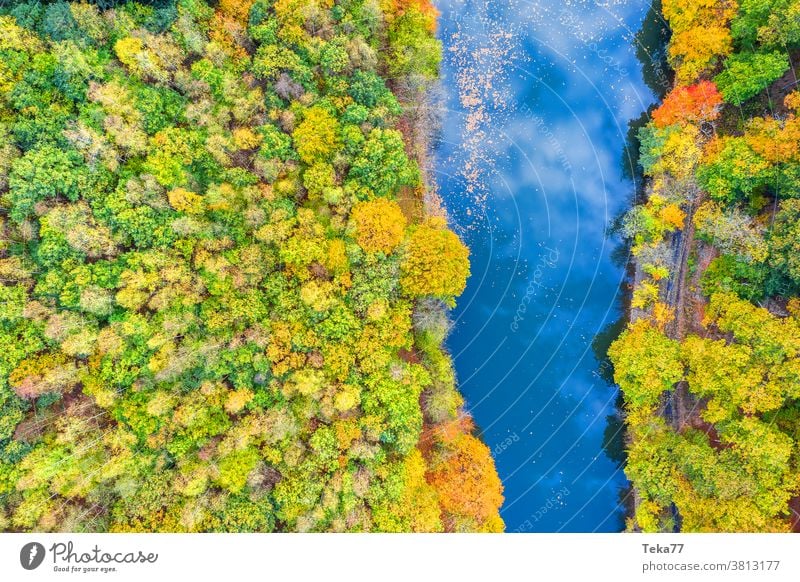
[(531, 168)]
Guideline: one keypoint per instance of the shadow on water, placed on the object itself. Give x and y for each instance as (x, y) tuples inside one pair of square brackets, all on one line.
[(651, 50), (630, 154)]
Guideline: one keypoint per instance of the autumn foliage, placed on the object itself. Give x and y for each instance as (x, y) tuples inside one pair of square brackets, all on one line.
[(236, 9), (737, 473), (436, 262), (710, 385), (469, 490), (700, 35), (424, 7), (692, 104), (775, 140), (379, 225), (203, 325)]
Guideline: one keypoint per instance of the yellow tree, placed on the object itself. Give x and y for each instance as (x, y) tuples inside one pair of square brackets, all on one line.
[(379, 225), (436, 262), (317, 136), (700, 35), (239, 10)]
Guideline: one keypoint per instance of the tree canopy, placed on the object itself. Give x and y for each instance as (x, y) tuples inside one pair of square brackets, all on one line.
[(209, 291), (709, 366)]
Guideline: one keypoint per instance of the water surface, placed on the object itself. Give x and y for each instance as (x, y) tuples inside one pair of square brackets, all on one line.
[(532, 170)]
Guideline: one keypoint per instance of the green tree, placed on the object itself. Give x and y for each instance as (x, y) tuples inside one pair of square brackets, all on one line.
[(768, 23), (42, 173), (646, 364), (734, 172), (382, 165), (412, 49), (784, 241), (747, 74)]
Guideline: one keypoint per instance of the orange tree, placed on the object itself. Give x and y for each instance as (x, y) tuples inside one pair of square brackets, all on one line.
[(700, 102), (469, 491)]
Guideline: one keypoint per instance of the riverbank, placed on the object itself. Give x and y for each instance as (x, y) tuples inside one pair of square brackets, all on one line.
[(704, 401), (418, 123), (215, 312)]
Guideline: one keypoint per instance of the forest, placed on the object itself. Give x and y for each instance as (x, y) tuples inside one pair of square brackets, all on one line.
[(224, 296), (709, 366)]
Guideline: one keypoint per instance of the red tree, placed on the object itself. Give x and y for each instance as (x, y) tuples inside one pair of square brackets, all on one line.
[(692, 104)]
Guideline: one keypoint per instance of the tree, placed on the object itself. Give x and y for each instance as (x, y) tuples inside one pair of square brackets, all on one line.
[(692, 104), (43, 374), (745, 486), (646, 364), (42, 173), (317, 136), (671, 150), (776, 140), (412, 49), (152, 59), (185, 201), (410, 503), (784, 241), (772, 339), (731, 231), (368, 89), (469, 490), (58, 22), (651, 460), (88, 19), (728, 375), (700, 35), (641, 226), (234, 469), (425, 7), (319, 179), (651, 145), (672, 216), (272, 60), (275, 144), (239, 10), (171, 151), (771, 24), (732, 273), (731, 170), (379, 225), (435, 263), (333, 57), (382, 165), (748, 74)]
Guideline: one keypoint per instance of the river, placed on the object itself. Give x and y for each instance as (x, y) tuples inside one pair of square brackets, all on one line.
[(532, 168)]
